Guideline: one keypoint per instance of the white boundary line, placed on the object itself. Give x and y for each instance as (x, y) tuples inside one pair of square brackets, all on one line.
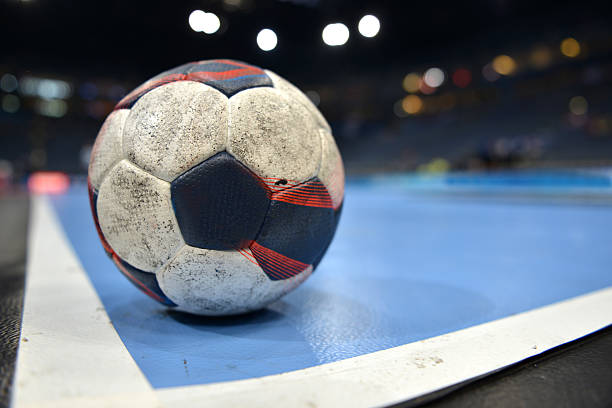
[(412, 370), (70, 354), (73, 356)]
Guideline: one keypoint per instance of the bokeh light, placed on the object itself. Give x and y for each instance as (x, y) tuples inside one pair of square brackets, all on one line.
[(434, 77), (426, 89), (88, 91), (489, 73), (200, 21), (462, 77), (411, 82), (504, 65), (436, 165), (54, 108), (267, 40), (412, 104), (369, 26), (578, 105), (48, 182), (45, 88), (398, 109), (8, 83), (570, 47), (10, 103), (540, 57), (335, 34)]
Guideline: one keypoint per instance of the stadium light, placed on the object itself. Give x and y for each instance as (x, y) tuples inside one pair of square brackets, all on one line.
[(200, 21), (267, 40), (369, 26), (335, 34)]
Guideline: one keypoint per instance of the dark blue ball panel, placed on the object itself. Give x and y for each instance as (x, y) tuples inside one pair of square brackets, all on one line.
[(216, 66), (145, 281), (219, 204), (299, 232), (337, 213), (276, 265), (232, 86), (227, 76)]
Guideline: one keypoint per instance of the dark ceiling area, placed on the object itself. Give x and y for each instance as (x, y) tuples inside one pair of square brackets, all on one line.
[(140, 38), (510, 92)]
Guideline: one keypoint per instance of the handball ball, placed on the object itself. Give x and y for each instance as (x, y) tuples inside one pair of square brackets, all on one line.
[(216, 187)]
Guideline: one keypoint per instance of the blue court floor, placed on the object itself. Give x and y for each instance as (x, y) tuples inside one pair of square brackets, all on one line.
[(413, 257)]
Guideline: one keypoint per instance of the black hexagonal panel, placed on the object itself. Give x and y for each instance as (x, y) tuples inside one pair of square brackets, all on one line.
[(219, 204), (298, 228)]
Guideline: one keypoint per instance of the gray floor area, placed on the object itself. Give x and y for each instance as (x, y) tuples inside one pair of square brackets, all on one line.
[(14, 210)]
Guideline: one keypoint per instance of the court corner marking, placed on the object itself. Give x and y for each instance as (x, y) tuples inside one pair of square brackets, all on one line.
[(69, 353), (409, 371)]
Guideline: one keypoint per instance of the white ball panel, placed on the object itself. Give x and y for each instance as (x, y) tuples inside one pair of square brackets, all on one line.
[(274, 135), (137, 218), (210, 282), (293, 92), (331, 172), (107, 150), (176, 126)]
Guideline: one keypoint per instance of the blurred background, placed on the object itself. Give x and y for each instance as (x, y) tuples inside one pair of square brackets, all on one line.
[(407, 86)]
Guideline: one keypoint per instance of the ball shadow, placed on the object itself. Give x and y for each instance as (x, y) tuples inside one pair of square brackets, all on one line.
[(257, 317)]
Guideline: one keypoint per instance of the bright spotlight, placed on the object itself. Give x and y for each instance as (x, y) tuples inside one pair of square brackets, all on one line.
[(196, 19), (267, 40), (434, 77), (335, 34), (200, 21), (369, 26), (211, 23)]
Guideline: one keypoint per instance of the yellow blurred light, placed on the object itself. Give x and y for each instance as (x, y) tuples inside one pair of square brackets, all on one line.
[(570, 47), (437, 165), (412, 104), (540, 57), (578, 105), (504, 65), (411, 82), (10, 103)]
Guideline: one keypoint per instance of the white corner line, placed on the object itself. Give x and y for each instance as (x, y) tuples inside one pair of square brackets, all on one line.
[(69, 354), (401, 373)]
